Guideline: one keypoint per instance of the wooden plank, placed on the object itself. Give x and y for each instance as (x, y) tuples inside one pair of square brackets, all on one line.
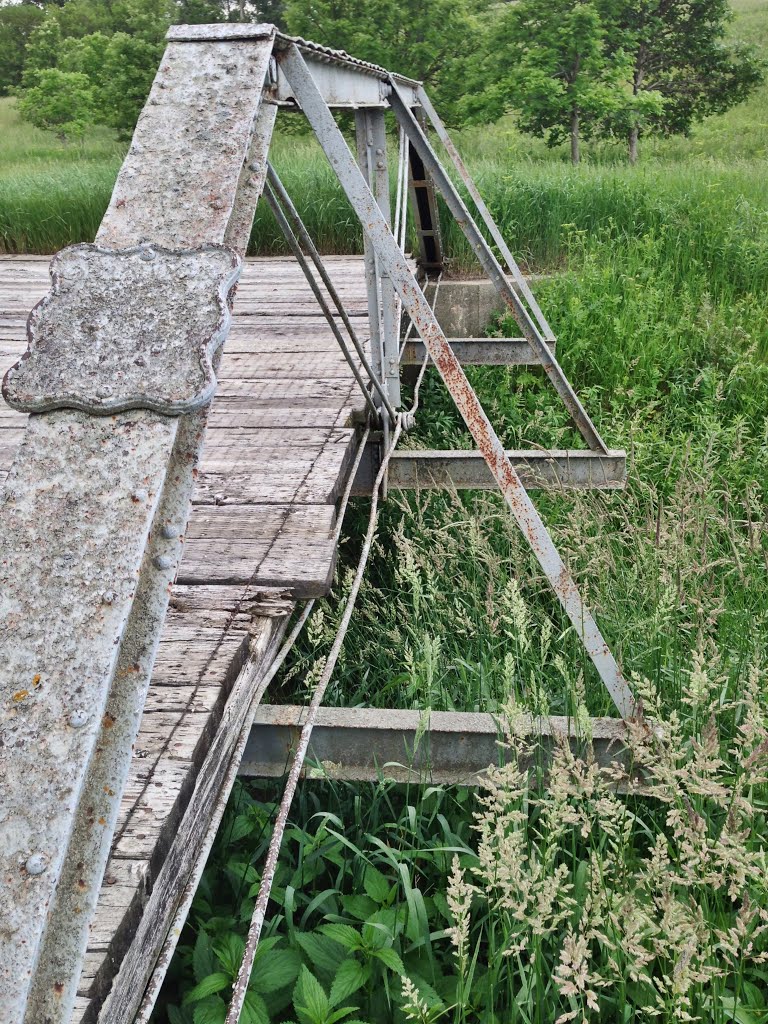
[(189, 835), (260, 522), (287, 394), (247, 438), (279, 445), (327, 414), (303, 567), (271, 366)]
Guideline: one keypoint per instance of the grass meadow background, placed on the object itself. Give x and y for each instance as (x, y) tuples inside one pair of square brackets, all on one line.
[(518, 903)]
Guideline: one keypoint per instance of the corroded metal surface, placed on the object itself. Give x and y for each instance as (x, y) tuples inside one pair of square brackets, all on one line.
[(538, 470), (446, 747), (222, 31), (126, 329), (75, 511)]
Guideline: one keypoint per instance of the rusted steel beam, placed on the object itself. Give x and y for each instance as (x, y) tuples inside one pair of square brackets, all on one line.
[(467, 470), (420, 312), (478, 352), (448, 747)]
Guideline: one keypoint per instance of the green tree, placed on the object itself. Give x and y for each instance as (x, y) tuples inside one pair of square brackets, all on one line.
[(680, 56), (17, 22), (118, 55), (43, 48), (547, 60), (61, 101), (429, 42)]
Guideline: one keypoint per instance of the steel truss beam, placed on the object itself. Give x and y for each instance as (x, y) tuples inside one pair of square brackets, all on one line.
[(478, 352), (551, 470), (490, 264), (420, 312), (446, 747)]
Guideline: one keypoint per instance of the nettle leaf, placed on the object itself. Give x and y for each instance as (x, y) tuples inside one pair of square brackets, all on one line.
[(203, 960), (212, 1011), (341, 1013), (207, 987), (322, 951), (175, 1016), (376, 884), (391, 959), (241, 826), (309, 998), (254, 1009), (266, 944), (229, 952), (276, 969), (349, 978), (344, 934)]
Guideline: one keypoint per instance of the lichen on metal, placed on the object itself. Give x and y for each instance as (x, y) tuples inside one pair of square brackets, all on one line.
[(125, 329)]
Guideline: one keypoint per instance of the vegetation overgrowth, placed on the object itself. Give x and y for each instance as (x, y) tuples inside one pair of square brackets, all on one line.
[(534, 901)]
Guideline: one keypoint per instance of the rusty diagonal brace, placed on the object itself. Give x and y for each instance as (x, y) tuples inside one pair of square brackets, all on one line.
[(393, 261)]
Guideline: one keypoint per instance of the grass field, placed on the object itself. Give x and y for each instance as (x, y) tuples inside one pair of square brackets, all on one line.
[(520, 904)]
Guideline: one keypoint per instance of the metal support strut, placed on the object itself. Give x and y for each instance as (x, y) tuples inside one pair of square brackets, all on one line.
[(386, 250), (491, 266)]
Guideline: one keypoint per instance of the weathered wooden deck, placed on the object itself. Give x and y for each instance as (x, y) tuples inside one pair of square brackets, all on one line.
[(278, 450)]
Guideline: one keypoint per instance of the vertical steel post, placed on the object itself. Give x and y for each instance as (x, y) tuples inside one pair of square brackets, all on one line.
[(390, 313), (364, 152)]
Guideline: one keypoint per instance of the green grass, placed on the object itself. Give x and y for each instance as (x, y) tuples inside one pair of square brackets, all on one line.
[(710, 189)]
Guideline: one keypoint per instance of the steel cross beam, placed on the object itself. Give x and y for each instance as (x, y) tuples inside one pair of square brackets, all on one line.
[(93, 512), (452, 748), (393, 261)]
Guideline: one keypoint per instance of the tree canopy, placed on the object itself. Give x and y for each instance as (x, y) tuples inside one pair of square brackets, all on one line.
[(680, 59), (569, 69)]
